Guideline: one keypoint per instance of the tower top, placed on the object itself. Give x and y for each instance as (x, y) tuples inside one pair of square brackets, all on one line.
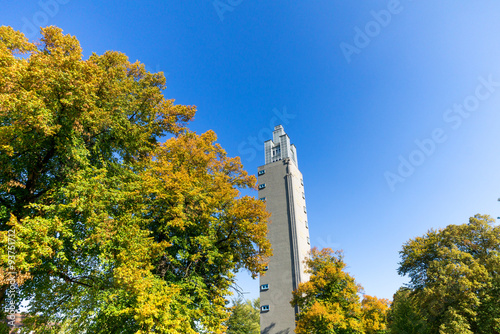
[(279, 147)]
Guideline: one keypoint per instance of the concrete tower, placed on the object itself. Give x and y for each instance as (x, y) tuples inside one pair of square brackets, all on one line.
[(282, 188)]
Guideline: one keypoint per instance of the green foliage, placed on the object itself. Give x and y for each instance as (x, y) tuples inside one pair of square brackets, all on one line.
[(245, 317), (115, 232), (454, 276), (329, 301), (4, 328), (405, 316), (59, 114)]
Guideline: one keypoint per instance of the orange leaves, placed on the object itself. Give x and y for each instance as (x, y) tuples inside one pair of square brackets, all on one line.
[(191, 192), (193, 187), (329, 302), (374, 314), (130, 233)]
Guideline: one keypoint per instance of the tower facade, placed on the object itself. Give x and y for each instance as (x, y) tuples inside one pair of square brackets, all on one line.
[(281, 186)]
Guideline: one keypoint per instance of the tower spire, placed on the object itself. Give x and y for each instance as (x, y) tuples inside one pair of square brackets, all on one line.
[(279, 147)]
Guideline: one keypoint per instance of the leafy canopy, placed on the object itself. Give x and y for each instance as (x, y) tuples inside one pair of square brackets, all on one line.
[(454, 276), (245, 317), (374, 312), (329, 301), (405, 316), (116, 233)]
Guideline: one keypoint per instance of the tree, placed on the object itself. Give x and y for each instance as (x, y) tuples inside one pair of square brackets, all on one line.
[(245, 317), (454, 276), (329, 301), (374, 316), (404, 315), (60, 113), (115, 232)]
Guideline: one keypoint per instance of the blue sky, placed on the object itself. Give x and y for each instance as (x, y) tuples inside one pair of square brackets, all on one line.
[(396, 135)]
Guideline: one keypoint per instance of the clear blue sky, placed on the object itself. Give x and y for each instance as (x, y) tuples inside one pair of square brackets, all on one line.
[(358, 94)]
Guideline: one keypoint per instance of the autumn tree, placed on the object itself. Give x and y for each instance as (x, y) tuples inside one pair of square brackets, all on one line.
[(245, 317), (329, 301), (374, 314), (116, 232), (60, 113), (454, 276)]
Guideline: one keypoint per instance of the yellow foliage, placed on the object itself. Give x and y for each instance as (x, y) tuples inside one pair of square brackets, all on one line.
[(329, 301), (119, 233), (374, 314)]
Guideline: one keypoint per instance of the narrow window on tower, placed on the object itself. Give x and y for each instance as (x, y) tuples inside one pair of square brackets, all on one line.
[(262, 172), (308, 241), (266, 267), (307, 226), (263, 199), (303, 195), (302, 182), (262, 186), (264, 287), (305, 211), (264, 308)]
